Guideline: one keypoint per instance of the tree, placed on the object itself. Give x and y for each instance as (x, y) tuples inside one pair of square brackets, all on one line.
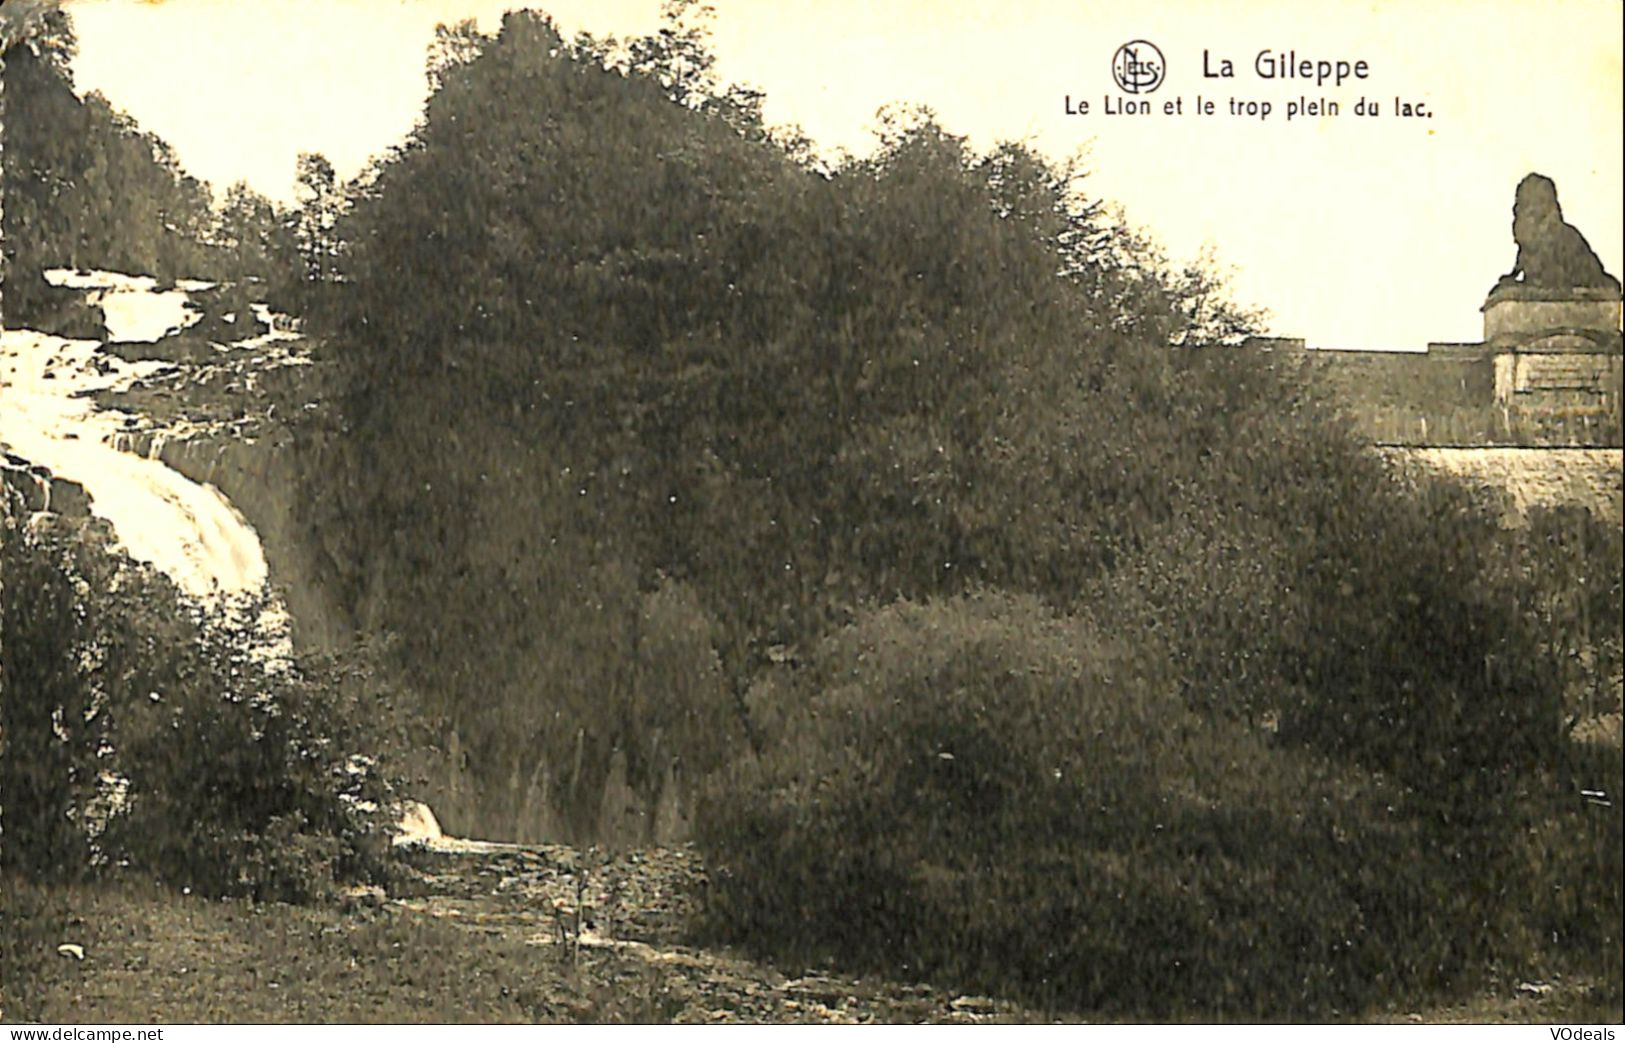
[(246, 227), (314, 223), (452, 48), (599, 334), (38, 50), (677, 56), (85, 186)]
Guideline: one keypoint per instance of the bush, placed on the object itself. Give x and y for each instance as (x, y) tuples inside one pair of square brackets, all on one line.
[(1574, 846), (144, 732), (1412, 655), (1573, 563), (985, 794), (248, 779), (1290, 574), (49, 718)]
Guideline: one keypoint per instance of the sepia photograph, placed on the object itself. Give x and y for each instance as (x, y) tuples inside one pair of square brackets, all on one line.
[(811, 512)]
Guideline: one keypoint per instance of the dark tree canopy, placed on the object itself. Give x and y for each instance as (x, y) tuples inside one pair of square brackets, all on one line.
[(602, 334), (85, 186)]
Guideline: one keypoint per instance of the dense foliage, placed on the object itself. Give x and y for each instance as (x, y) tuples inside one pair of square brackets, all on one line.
[(85, 186), (650, 342), (981, 791), (149, 734), (647, 341), (650, 339)]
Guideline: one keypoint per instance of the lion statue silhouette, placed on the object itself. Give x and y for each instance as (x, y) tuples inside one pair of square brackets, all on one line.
[(1552, 254)]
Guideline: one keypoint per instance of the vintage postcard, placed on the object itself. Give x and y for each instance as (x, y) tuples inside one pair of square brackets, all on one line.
[(787, 512)]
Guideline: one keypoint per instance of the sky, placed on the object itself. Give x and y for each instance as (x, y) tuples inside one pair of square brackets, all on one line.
[(1377, 232)]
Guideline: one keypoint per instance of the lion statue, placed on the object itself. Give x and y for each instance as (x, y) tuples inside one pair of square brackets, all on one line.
[(1551, 252)]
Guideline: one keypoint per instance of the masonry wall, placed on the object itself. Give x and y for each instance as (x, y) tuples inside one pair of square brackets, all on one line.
[(1563, 399), (1468, 395), (1412, 398)]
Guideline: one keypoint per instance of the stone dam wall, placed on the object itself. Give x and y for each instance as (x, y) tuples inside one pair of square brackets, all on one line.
[(1459, 395)]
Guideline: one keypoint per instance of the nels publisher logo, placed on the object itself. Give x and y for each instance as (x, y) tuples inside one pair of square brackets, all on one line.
[(1138, 67)]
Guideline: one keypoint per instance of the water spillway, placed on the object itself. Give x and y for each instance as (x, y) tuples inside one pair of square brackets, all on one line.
[(189, 532), (50, 416)]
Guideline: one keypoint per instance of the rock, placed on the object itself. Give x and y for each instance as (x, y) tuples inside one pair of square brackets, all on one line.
[(69, 498), (60, 311), (40, 490), (363, 896), (25, 482), (972, 1005), (180, 347)]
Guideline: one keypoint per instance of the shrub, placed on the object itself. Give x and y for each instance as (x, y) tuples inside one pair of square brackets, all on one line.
[(145, 732), (49, 717), (249, 779), (985, 794), (1290, 573), (1411, 653), (1573, 563), (1573, 844)]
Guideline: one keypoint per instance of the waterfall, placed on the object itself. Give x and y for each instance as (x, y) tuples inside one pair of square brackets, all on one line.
[(49, 416), (135, 309)]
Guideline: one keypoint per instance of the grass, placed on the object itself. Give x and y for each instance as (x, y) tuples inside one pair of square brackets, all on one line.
[(154, 956)]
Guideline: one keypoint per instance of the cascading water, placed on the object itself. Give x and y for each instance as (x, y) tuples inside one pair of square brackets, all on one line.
[(49, 416), (188, 530)]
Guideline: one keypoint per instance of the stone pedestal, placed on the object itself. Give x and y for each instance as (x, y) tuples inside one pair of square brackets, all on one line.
[(1557, 362), (1579, 319)]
